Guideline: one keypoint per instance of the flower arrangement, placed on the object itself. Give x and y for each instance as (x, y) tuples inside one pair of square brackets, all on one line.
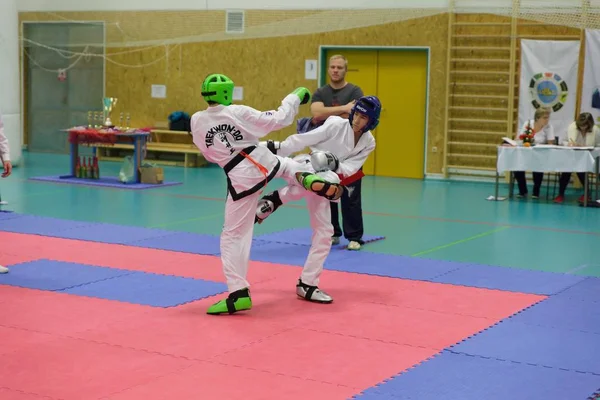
[(527, 136)]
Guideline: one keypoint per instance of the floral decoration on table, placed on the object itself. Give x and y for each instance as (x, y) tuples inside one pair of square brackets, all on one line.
[(527, 136)]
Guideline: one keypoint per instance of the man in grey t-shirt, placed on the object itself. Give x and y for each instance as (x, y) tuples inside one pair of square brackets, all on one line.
[(337, 98)]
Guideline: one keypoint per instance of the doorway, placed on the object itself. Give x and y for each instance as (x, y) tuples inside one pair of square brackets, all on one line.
[(53, 103), (399, 76)]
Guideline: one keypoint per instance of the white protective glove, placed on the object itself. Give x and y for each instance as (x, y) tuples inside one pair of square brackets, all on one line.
[(272, 145), (324, 161)]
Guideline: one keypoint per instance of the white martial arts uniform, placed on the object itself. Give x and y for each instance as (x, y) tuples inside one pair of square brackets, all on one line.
[(4, 148), (223, 134), (4, 156), (336, 136)]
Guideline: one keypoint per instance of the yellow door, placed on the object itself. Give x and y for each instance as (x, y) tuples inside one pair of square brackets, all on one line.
[(362, 72), (402, 89)]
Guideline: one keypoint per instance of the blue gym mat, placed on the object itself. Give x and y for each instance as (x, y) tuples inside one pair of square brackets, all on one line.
[(586, 290), (112, 233), (4, 214), (484, 276), (390, 265), (284, 253), (184, 242), (150, 289), (105, 283), (550, 347), (510, 279), (109, 181), (450, 376), (375, 395), (56, 275), (40, 225), (564, 313), (302, 236)]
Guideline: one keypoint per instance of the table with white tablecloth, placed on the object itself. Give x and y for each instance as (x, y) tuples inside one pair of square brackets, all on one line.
[(547, 158)]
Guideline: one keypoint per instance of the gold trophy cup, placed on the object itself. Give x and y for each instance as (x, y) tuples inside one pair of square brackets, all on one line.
[(108, 104)]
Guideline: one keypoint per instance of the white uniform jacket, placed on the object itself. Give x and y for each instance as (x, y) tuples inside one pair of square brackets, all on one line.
[(4, 149), (225, 133), (336, 136)]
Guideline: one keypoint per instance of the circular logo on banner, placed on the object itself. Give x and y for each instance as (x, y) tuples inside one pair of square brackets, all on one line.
[(548, 90)]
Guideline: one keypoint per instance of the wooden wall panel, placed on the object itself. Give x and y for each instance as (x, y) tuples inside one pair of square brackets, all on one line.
[(267, 68)]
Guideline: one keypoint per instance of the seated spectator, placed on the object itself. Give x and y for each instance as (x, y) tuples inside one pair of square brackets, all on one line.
[(543, 134), (581, 133)]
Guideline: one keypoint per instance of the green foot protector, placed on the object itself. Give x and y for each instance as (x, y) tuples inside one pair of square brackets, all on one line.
[(236, 301), (318, 185)]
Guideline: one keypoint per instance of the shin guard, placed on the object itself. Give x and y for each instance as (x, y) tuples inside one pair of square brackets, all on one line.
[(318, 185), (267, 206)]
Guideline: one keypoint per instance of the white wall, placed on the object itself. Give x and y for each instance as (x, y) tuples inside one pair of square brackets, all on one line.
[(10, 100), (124, 5)]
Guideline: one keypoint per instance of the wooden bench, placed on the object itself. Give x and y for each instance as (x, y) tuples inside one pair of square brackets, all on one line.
[(163, 141)]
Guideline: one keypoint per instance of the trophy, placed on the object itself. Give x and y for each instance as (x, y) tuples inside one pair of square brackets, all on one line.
[(97, 119), (108, 103)]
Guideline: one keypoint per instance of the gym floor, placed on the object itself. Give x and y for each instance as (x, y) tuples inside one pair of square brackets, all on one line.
[(499, 281)]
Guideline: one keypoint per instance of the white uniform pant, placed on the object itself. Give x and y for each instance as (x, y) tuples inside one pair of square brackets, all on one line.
[(238, 228), (319, 211)]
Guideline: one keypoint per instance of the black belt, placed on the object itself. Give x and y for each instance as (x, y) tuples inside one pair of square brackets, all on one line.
[(237, 159)]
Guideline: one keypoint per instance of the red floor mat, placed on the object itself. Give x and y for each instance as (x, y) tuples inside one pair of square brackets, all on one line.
[(73, 347)]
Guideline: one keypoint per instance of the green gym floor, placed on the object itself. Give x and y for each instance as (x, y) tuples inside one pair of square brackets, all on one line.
[(447, 220)]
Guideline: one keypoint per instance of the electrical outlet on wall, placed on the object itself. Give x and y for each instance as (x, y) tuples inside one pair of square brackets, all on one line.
[(434, 149)]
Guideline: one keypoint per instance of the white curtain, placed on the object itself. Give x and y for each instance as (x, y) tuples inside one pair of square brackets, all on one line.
[(549, 79)]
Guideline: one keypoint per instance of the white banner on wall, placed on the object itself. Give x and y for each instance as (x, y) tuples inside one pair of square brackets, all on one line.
[(549, 79), (590, 94)]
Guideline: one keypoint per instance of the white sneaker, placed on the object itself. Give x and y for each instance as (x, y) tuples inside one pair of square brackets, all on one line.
[(312, 293), (353, 245), (3, 270)]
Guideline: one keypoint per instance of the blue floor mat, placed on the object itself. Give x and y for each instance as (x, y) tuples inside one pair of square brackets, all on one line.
[(586, 290), (35, 225), (150, 289), (563, 312), (9, 215), (183, 242), (377, 395), (539, 345), (56, 275), (390, 265), (510, 279), (112, 233), (302, 236), (339, 259), (104, 181), (283, 253), (450, 376)]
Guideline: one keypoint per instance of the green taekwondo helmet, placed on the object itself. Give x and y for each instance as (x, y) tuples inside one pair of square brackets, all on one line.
[(218, 88)]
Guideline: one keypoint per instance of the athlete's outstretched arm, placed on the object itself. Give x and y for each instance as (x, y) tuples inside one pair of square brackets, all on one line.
[(299, 141), (261, 123)]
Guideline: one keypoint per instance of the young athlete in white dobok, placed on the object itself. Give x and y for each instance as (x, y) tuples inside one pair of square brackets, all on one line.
[(339, 148), (4, 164), (228, 135)]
